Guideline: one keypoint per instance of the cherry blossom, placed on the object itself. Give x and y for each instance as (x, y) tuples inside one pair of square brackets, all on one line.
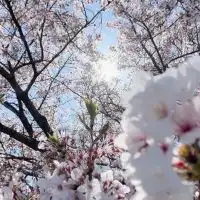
[(163, 109)]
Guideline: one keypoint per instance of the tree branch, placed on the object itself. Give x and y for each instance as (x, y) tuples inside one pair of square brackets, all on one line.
[(155, 46), (183, 55), (23, 96), (19, 28), (30, 142), (20, 114)]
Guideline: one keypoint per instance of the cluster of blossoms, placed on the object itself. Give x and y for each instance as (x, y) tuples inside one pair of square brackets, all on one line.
[(78, 175), (161, 130), (16, 189), (72, 172), (56, 186)]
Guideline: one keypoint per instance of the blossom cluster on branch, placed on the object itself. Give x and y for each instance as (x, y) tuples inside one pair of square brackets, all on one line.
[(71, 172)]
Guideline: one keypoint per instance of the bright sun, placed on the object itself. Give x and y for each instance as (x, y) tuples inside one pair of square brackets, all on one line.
[(106, 70)]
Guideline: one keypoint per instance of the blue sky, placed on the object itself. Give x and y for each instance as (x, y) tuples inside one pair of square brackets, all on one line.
[(109, 35)]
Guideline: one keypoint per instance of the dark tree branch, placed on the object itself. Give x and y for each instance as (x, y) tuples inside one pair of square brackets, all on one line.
[(17, 66), (24, 64), (20, 114), (13, 157), (4, 73), (23, 96), (155, 46), (19, 28), (30, 142), (41, 37), (145, 49), (183, 55), (40, 119)]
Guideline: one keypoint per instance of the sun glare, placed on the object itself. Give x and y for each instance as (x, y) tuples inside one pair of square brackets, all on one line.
[(106, 70)]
